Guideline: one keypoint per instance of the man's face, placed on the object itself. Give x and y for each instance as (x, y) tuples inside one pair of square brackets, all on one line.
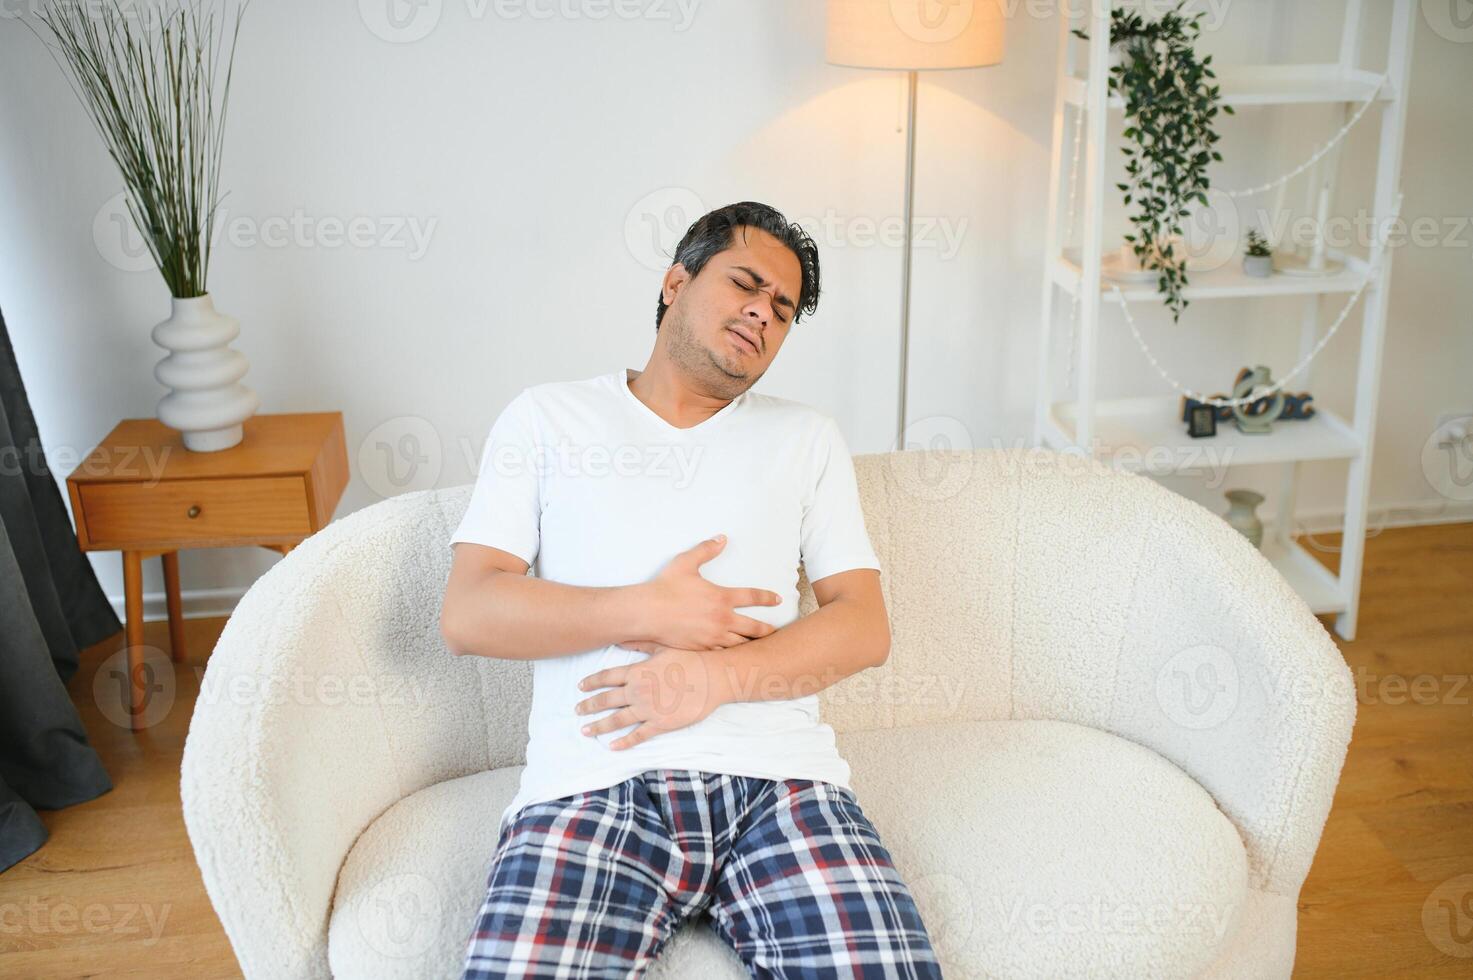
[(726, 325)]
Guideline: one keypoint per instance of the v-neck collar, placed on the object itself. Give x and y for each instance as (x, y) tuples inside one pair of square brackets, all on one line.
[(622, 379)]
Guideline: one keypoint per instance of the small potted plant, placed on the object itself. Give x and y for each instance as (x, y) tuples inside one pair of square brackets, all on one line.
[(1171, 100), (1258, 258)]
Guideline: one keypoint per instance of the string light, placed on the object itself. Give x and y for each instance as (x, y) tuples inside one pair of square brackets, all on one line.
[(1260, 391), (1068, 234), (1344, 130), (1372, 270)]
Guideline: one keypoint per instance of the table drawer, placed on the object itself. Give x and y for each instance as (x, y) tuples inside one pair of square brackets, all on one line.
[(119, 515)]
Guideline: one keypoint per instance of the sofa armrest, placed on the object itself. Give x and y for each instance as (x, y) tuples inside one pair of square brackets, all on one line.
[(283, 768), (1225, 671)]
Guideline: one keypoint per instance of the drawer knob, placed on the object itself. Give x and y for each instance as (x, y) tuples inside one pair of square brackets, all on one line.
[(194, 511)]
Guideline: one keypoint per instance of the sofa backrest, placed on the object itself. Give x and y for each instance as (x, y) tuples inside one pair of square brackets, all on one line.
[(1019, 583)]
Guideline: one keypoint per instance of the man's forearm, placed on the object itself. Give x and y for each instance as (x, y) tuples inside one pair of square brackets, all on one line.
[(522, 617), (806, 656)]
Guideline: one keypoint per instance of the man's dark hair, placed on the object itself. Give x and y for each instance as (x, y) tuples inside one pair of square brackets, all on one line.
[(715, 232)]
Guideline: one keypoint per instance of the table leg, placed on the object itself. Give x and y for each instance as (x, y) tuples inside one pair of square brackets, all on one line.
[(133, 635), (176, 613)]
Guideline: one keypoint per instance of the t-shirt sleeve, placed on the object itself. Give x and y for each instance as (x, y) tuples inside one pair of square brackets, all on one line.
[(834, 538), (505, 509)]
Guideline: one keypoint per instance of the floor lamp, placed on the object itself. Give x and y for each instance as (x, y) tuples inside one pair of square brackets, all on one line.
[(913, 36)]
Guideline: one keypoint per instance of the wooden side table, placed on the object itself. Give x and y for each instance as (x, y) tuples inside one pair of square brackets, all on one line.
[(142, 493)]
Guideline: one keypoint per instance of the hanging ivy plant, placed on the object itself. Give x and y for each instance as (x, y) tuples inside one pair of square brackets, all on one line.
[(1170, 101)]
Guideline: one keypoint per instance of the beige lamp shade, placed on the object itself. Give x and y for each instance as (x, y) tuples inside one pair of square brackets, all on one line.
[(915, 35)]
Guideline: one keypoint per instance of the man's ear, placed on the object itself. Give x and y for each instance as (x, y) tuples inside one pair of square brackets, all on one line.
[(675, 277)]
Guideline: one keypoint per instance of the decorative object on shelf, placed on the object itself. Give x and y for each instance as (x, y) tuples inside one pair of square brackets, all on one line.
[(1258, 258), (1256, 418), (1242, 516), (1296, 406), (898, 37), (1317, 262), (1170, 102), (1201, 420), (149, 86)]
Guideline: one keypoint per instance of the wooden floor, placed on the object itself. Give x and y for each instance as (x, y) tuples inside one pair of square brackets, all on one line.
[(115, 892)]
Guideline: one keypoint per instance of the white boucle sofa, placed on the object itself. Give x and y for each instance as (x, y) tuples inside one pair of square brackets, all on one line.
[(1104, 744)]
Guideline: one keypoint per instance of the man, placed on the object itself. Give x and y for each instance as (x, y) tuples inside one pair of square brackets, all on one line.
[(676, 763)]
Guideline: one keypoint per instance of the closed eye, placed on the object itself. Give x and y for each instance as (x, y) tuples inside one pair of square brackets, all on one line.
[(752, 289)]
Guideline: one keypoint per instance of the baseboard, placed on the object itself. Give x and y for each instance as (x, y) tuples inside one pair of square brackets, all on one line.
[(200, 603), (194, 603), (1415, 514)]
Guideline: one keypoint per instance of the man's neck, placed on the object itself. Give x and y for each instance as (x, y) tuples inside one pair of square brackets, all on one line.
[(672, 398)]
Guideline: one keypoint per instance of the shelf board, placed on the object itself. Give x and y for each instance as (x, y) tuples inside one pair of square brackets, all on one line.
[(1314, 583), (1287, 84), (1227, 281), (1144, 435)]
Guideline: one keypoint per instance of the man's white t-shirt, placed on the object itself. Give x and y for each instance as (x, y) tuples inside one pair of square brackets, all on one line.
[(591, 487)]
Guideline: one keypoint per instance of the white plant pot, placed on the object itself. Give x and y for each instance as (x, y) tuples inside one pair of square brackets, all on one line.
[(1119, 54), (1261, 266), (1131, 263), (206, 403)]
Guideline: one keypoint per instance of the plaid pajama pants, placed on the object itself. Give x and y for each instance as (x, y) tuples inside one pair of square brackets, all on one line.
[(791, 873)]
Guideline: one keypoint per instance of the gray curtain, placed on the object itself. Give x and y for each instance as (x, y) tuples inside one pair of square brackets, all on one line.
[(50, 607)]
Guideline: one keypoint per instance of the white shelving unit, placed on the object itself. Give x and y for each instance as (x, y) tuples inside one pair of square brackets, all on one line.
[(1147, 428)]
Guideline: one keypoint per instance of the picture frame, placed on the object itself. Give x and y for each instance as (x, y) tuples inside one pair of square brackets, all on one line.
[(1201, 421)]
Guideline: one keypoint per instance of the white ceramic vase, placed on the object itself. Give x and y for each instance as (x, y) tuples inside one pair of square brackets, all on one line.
[(206, 403), (1242, 516)]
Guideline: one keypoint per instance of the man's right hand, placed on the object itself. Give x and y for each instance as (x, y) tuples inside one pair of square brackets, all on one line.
[(685, 610)]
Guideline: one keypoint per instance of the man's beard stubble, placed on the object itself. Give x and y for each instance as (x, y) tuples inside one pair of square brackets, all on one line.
[(722, 376)]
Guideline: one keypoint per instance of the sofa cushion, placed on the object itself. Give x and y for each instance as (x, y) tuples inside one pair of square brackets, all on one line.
[(1033, 848)]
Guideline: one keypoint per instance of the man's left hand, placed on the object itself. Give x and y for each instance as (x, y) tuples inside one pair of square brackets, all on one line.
[(670, 690)]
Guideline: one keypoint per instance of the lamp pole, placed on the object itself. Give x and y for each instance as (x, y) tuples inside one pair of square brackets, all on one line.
[(910, 193)]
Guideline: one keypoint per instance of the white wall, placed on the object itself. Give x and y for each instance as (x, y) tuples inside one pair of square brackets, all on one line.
[(535, 155)]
